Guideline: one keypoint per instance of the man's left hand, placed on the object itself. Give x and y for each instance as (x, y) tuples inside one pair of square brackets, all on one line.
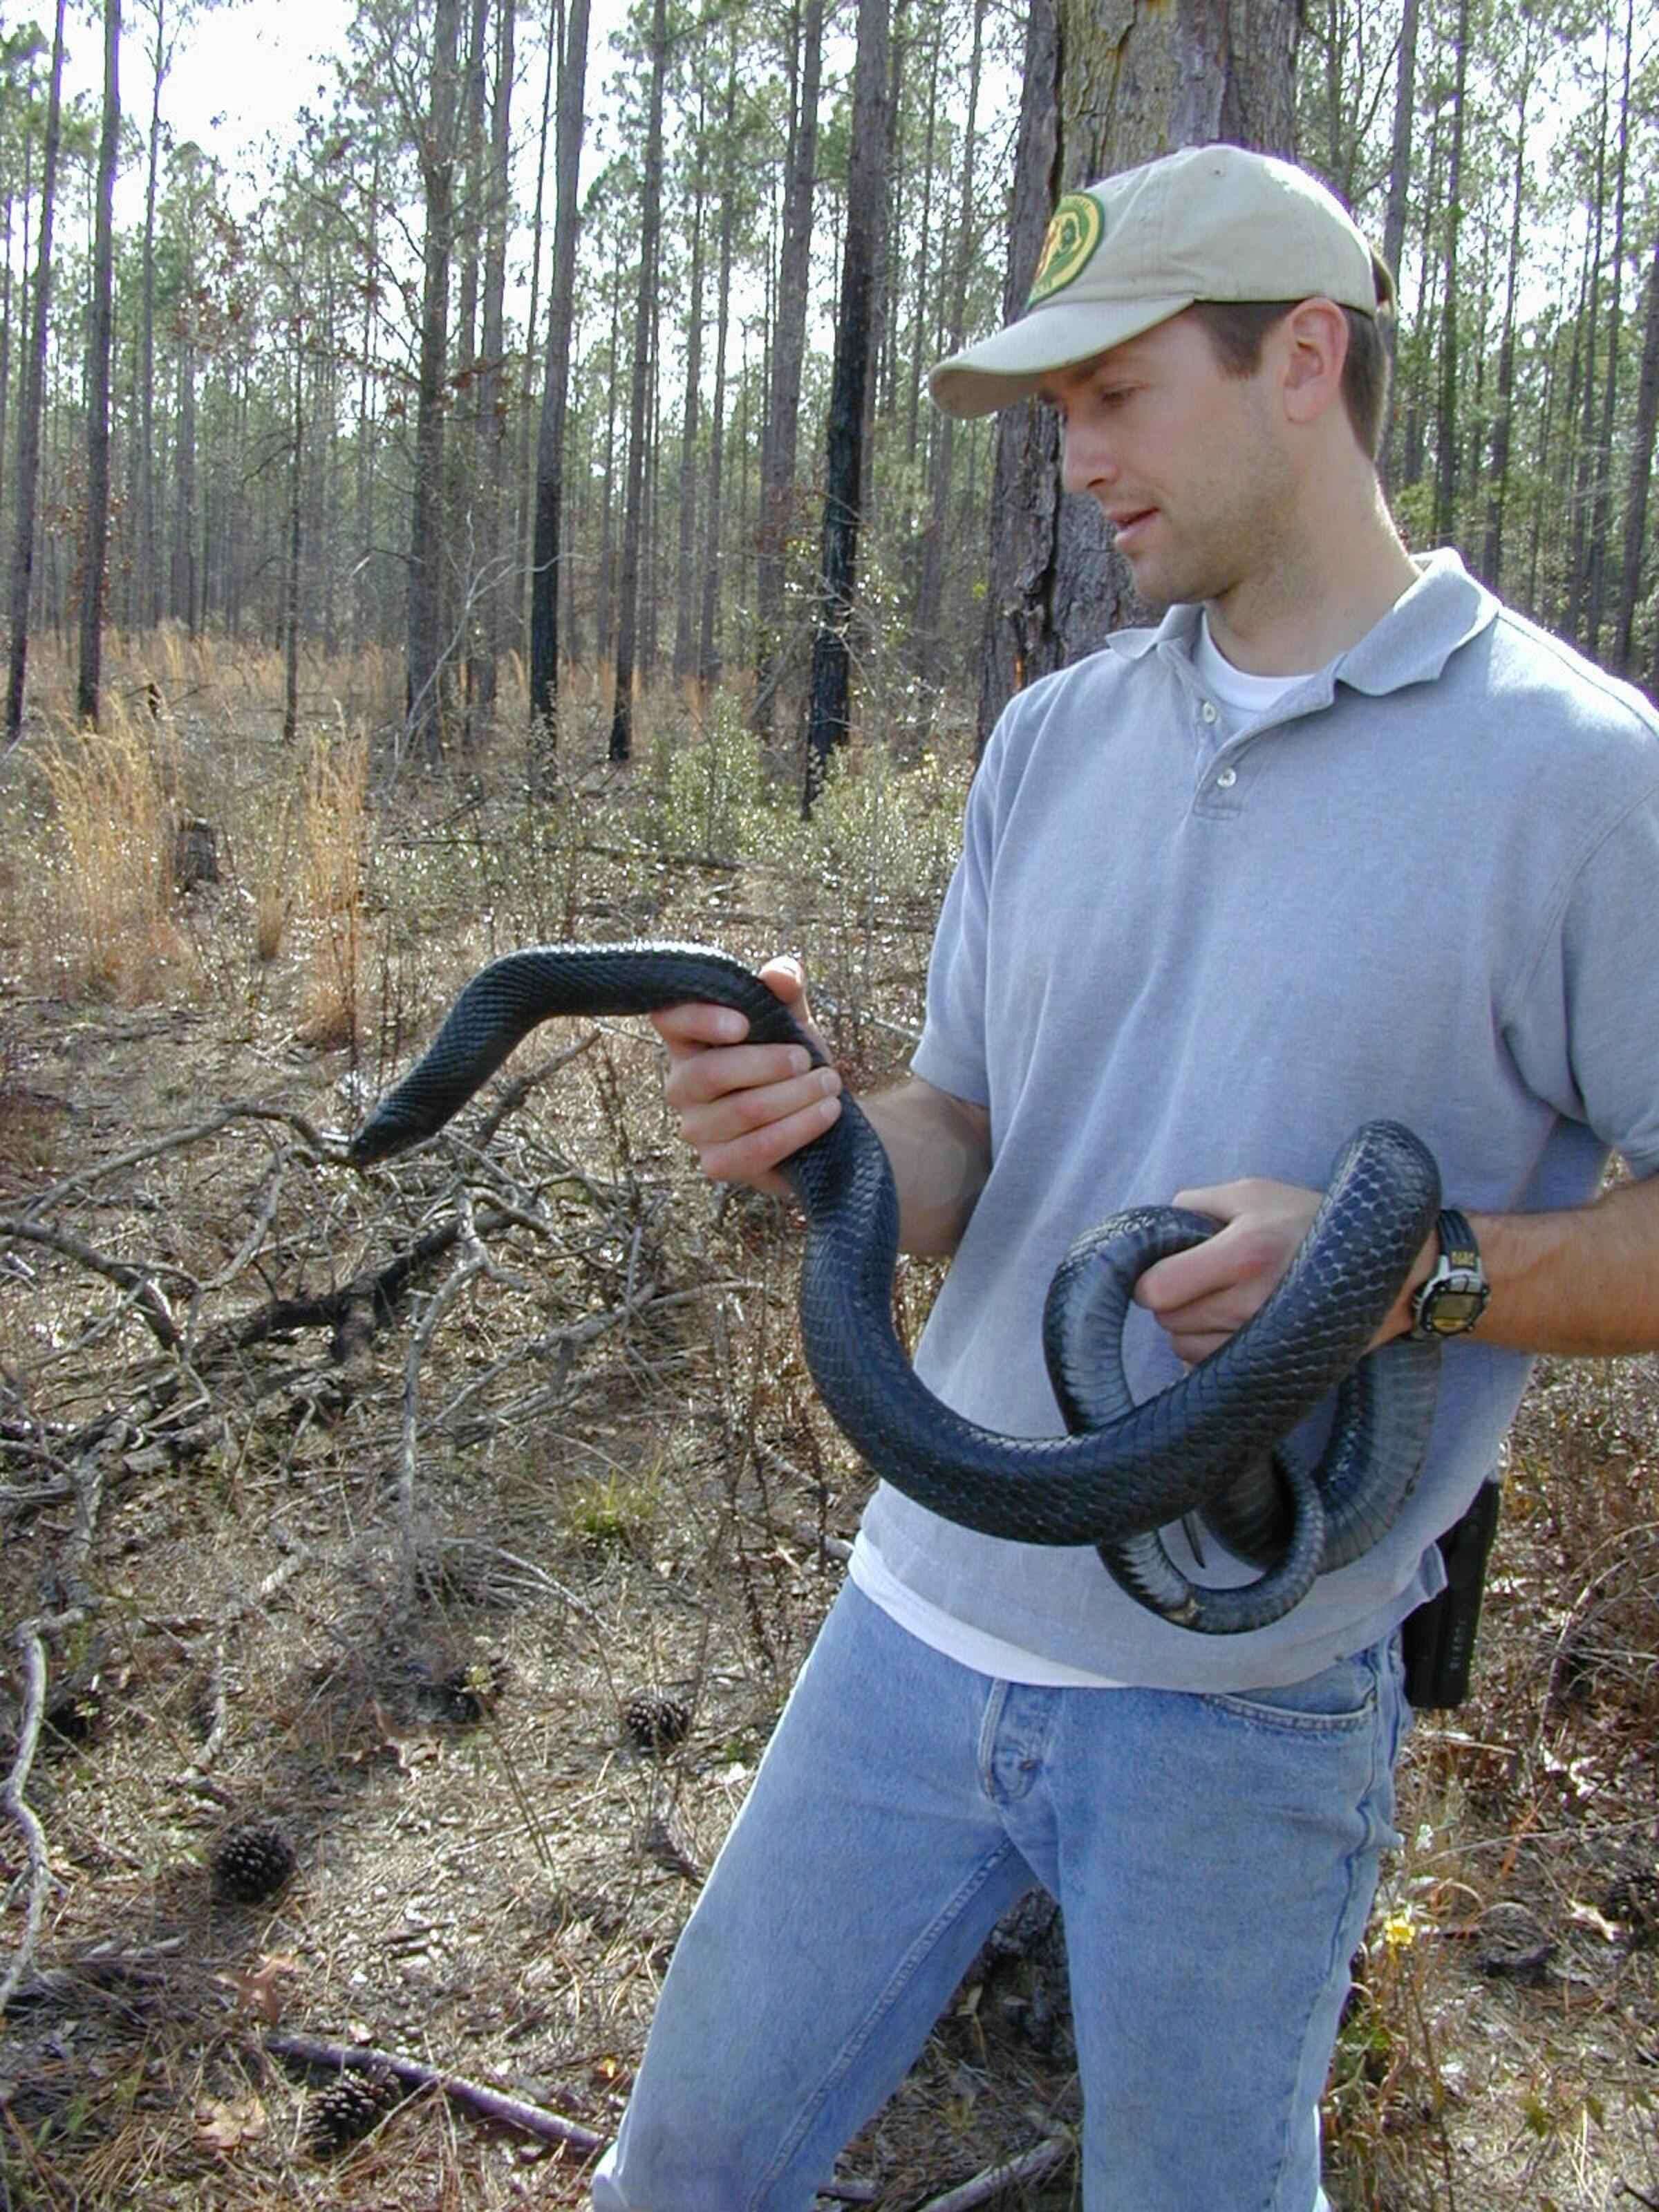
[(1200, 1297)]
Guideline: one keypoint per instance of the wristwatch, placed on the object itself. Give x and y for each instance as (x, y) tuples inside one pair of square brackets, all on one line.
[(1454, 1297)]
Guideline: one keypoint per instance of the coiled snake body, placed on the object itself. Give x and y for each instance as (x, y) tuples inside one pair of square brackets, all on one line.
[(1123, 1470)]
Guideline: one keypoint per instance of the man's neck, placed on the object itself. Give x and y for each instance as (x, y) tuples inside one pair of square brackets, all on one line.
[(1318, 599)]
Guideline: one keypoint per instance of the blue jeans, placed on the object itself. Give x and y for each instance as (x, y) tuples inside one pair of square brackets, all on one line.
[(1214, 1856)]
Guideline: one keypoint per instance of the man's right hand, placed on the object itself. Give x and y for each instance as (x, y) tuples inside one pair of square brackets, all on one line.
[(742, 1107)]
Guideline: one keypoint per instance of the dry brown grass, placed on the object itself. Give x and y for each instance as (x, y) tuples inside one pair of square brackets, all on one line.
[(108, 926), (333, 826)]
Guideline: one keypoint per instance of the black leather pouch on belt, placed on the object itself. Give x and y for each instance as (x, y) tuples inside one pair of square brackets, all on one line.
[(1438, 1640)]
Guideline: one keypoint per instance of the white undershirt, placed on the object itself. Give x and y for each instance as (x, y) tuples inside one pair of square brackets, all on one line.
[(1241, 696)]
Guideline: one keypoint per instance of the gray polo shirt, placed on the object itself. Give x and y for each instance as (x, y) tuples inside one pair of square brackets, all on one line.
[(1424, 885)]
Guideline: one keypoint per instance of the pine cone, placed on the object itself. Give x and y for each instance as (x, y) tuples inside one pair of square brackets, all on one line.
[(656, 1720), (348, 2109), (253, 1862)]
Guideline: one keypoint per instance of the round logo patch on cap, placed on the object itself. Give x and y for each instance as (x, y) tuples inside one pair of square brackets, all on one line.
[(1073, 234)]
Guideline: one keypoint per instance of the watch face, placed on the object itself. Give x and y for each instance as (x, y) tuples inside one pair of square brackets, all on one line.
[(1453, 1307)]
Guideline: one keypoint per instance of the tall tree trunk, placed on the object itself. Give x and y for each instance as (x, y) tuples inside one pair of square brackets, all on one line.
[(828, 722), (1641, 475), (605, 625), (878, 385), (95, 543), (291, 571), (364, 603), (1600, 517), (184, 595), (1099, 99), (1585, 474), (1394, 223), (684, 597), (34, 386), (708, 655), (627, 611), (920, 332), (1445, 470), (930, 597), (777, 492), (1491, 556), (490, 445), (149, 560), (524, 536), (427, 652), (556, 391)]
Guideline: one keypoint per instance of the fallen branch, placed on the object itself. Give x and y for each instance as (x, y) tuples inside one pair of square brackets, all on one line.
[(29, 1637), (492, 2104), (320, 1142), (138, 1282), (997, 2178)]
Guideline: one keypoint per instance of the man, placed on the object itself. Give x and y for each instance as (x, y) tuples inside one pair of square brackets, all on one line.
[(1341, 838)]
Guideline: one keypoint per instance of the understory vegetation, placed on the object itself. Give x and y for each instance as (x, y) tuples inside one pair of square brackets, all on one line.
[(464, 1522)]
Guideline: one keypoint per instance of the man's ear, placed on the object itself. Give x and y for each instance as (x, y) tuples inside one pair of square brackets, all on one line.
[(1314, 345)]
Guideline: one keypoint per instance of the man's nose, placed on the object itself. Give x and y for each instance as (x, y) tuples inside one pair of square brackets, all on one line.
[(1086, 460)]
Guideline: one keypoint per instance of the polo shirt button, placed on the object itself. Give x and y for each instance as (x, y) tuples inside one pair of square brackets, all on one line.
[(1227, 779), (1209, 710)]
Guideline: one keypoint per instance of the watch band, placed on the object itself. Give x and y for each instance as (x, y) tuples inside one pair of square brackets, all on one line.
[(1455, 1294)]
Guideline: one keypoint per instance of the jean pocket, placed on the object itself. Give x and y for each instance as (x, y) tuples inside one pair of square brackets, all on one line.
[(1341, 1699)]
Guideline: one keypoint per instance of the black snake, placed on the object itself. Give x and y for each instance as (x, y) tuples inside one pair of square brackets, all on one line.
[(1123, 1470)]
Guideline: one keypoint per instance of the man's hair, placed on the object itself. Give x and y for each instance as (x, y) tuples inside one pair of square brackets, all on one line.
[(1237, 329)]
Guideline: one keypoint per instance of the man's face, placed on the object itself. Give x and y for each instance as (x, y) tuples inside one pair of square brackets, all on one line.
[(1187, 464)]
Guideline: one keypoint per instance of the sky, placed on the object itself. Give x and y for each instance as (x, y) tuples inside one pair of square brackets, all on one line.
[(241, 70)]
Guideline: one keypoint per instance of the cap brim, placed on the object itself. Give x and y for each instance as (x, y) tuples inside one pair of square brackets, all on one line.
[(1011, 364)]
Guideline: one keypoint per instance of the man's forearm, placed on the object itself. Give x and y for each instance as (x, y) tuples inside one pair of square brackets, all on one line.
[(939, 1148), (1585, 1280)]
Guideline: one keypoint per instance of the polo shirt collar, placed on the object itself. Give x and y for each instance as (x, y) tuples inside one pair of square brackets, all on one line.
[(1443, 611)]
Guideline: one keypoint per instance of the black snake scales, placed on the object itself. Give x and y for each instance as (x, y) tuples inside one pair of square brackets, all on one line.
[(1124, 1470)]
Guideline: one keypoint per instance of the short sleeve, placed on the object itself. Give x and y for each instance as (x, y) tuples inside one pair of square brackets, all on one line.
[(951, 1054), (1584, 1027)]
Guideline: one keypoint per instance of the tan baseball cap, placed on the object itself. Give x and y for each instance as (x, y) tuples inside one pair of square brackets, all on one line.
[(1211, 222)]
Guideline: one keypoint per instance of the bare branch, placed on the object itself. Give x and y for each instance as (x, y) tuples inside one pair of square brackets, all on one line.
[(325, 1145), (996, 2179), (493, 2103), (139, 1283)]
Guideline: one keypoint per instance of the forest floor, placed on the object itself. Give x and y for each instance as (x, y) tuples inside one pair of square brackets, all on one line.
[(362, 1505)]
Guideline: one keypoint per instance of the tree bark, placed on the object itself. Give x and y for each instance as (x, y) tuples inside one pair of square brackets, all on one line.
[(684, 596), (427, 652), (95, 543), (1641, 475), (1394, 224), (491, 570), (778, 444), (930, 597), (708, 655), (1491, 556), (150, 600), (1445, 470), (1585, 474), (828, 720), (555, 392), (35, 385), (1601, 518), (1104, 89), (291, 567), (628, 609)]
